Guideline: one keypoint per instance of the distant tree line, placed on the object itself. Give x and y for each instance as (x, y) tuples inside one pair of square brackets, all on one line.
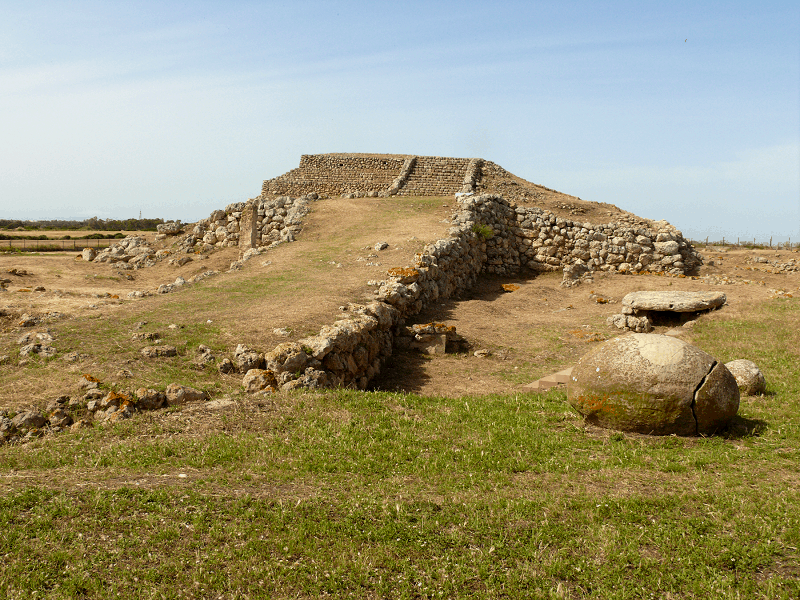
[(91, 224)]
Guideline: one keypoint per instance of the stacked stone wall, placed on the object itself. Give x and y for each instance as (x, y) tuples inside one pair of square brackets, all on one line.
[(257, 222), (376, 175), (335, 174), (489, 235)]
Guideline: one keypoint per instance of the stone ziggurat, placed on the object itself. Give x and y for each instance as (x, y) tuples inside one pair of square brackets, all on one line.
[(489, 234)]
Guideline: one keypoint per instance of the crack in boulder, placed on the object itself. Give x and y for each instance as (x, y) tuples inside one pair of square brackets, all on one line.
[(694, 397)]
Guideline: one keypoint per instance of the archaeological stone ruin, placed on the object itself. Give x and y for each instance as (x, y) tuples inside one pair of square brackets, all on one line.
[(499, 227), (496, 228)]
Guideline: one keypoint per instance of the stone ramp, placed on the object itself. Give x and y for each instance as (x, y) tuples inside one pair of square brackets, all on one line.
[(435, 176)]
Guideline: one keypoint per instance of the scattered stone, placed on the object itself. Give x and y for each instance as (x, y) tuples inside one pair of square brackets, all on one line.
[(630, 323), (59, 418), (256, 380), (88, 382), (150, 399), (27, 320), (42, 350), (124, 374), (247, 359), (381, 246), (33, 337), (82, 424), (170, 228), (483, 353), (158, 351), (29, 419), (59, 402), (181, 394), (146, 335), (39, 288), (94, 394), (748, 377), (653, 384), (72, 357), (575, 274), (5, 359), (88, 254), (114, 407), (226, 366), (282, 331)]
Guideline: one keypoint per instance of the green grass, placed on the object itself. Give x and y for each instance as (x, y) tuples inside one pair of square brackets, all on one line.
[(373, 495)]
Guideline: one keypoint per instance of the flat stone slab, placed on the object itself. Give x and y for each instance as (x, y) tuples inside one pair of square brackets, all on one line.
[(560, 379), (680, 302)]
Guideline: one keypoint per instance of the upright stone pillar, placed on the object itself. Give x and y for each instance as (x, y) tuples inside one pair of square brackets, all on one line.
[(248, 227)]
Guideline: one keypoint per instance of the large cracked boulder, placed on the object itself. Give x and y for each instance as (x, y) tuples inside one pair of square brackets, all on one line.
[(653, 384)]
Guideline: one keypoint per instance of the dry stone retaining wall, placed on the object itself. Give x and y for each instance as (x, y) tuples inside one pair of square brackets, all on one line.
[(335, 174), (489, 235), (376, 175), (257, 222)]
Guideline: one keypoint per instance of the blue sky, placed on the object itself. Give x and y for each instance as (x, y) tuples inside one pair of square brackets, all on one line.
[(688, 112)]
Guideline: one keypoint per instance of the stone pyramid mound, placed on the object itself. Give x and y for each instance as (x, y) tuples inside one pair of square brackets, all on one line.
[(385, 175)]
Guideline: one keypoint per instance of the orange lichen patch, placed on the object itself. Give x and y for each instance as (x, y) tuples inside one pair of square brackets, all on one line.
[(433, 328), (115, 296), (88, 377), (510, 287), (601, 300), (23, 290), (404, 274), (79, 257), (113, 397)]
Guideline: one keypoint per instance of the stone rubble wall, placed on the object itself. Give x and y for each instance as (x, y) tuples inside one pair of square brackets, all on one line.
[(536, 239), (257, 222), (489, 235)]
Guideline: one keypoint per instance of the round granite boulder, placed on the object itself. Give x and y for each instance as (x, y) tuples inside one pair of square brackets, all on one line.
[(653, 384), (748, 377)]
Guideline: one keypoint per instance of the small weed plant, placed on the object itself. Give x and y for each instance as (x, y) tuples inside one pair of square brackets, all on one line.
[(484, 231)]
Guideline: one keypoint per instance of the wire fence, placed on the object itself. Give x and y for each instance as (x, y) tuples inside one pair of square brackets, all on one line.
[(747, 243), (29, 245)]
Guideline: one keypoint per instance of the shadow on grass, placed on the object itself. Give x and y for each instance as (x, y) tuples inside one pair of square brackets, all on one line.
[(742, 427)]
